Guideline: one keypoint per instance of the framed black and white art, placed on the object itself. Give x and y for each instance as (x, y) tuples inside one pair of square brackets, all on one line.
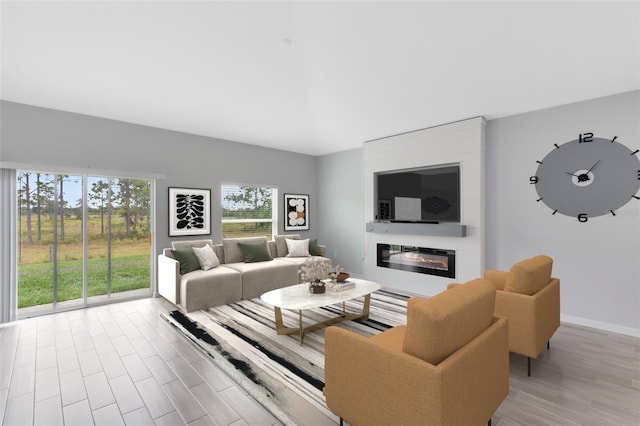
[(189, 211), (296, 210)]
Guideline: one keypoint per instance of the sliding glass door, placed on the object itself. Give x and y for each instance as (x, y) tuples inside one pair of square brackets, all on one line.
[(82, 240)]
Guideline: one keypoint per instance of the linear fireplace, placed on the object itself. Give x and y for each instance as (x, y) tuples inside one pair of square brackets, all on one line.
[(423, 260)]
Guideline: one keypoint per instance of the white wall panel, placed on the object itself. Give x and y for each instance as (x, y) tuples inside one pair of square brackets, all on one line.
[(460, 142)]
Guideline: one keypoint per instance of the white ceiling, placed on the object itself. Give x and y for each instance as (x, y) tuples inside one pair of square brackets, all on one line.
[(351, 71)]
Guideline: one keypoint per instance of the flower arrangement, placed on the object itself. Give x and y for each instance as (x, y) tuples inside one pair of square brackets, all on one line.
[(314, 269)]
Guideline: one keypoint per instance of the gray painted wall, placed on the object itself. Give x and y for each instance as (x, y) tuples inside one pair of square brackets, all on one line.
[(43, 136), (340, 208), (598, 262)]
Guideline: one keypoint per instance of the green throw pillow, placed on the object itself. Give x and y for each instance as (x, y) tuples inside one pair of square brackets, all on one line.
[(314, 250), (255, 252), (187, 258)]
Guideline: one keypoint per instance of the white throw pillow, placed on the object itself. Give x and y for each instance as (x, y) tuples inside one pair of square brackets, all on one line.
[(298, 248), (207, 257)]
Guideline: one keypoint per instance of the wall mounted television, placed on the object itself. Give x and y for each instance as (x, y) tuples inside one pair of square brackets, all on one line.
[(423, 195)]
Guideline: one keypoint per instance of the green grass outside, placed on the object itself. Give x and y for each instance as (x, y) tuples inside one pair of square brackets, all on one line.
[(235, 230), (130, 261), (36, 280)]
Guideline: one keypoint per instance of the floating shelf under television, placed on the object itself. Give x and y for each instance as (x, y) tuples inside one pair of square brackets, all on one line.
[(444, 229)]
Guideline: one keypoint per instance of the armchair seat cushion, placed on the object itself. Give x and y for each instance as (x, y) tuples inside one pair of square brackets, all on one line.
[(440, 325)]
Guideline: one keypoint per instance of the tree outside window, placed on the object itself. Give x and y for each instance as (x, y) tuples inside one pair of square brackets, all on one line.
[(248, 211)]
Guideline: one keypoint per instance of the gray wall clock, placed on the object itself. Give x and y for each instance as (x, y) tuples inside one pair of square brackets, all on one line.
[(588, 177)]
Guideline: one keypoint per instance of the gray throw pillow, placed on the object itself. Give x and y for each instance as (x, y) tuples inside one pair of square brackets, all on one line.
[(188, 260), (255, 252)]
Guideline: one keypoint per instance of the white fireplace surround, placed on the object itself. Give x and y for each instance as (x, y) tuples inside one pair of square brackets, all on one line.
[(461, 142)]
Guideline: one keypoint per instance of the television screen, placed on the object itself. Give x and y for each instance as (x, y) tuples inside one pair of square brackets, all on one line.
[(430, 194)]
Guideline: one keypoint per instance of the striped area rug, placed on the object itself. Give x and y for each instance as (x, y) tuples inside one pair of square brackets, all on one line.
[(282, 375)]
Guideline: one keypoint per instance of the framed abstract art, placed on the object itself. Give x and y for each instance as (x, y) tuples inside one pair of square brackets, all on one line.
[(296, 210), (189, 211)]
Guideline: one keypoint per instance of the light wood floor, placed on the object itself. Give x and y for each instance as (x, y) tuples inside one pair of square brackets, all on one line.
[(122, 364), (113, 365), (588, 377)]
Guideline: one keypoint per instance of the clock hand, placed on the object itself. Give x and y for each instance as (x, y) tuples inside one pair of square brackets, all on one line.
[(584, 176), (594, 166)]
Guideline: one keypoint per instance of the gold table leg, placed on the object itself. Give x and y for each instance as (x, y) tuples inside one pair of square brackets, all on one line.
[(301, 331)]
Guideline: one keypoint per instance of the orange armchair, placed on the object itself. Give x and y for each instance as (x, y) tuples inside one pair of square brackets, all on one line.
[(529, 298), (448, 366)]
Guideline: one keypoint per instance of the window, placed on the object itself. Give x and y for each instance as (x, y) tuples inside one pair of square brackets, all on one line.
[(82, 239), (248, 211)]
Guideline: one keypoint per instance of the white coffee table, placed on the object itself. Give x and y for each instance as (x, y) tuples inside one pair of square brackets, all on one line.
[(297, 297)]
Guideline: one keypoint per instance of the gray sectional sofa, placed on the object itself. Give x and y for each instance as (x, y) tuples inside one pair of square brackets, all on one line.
[(234, 279)]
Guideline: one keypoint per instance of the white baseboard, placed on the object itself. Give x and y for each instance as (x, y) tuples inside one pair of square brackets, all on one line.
[(629, 331)]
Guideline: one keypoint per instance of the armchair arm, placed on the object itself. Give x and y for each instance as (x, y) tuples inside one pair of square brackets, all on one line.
[(169, 278), (357, 369), (532, 319), (547, 303), (475, 378)]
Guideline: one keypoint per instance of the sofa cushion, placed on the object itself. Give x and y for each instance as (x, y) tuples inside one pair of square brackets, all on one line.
[(298, 248), (204, 289), (187, 259), (281, 243), (255, 251), (442, 324), (207, 257), (260, 277), (530, 275), (299, 261), (219, 250), (314, 250), (232, 252), (190, 243)]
